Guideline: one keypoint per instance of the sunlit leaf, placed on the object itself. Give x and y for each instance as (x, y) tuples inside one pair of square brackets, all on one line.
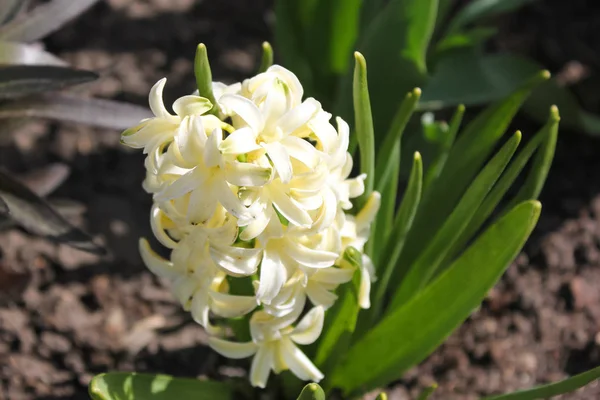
[(267, 57), (479, 9), (568, 385), (43, 20), (35, 215), (134, 386), (24, 80), (413, 330), (418, 273), (65, 107)]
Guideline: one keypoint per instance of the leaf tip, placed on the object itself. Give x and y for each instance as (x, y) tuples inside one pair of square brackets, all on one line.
[(545, 74), (554, 113), (417, 156), (417, 92), (518, 136), (461, 108), (360, 59)]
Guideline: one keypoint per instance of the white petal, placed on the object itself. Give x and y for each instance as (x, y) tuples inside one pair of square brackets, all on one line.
[(294, 85), (255, 228), (155, 263), (356, 186), (201, 206), (188, 140), (228, 199), (280, 159), (156, 99), (191, 105), (245, 108), (241, 141), (365, 217), (157, 228), (181, 186), (183, 288), (324, 131), (236, 260), (272, 276), (302, 151), (212, 155), (333, 275), (298, 116), (299, 363), (364, 292), (232, 349), (320, 295), (310, 327), (231, 306), (310, 257), (246, 174), (261, 367), (289, 208), (199, 309)]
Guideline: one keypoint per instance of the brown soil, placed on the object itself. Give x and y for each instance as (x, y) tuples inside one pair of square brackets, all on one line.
[(66, 315)]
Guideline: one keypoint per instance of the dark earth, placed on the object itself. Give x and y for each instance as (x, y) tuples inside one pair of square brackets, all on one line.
[(66, 315)]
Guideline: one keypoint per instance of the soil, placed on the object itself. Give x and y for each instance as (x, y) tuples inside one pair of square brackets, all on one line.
[(66, 315)]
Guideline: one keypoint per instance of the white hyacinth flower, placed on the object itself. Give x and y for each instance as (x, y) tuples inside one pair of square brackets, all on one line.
[(253, 199), (274, 346)]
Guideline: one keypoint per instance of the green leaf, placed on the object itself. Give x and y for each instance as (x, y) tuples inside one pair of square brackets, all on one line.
[(395, 44), (393, 139), (203, 75), (34, 214), (23, 54), (312, 391), (43, 20), (468, 76), (479, 9), (553, 389), (546, 138), (381, 396), (411, 332), (395, 241), (134, 386), (65, 107), (364, 125), (340, 319), (428, 261), (444, 146), (472, 148), (24, 80), (267, 57), (471, 38)]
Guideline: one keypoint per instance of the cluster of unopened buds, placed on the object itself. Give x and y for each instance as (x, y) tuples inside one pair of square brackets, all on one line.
[(252, 196)]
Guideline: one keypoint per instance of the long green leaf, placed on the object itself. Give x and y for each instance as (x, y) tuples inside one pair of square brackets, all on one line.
[(546, 138), (23, 54), (65, 107), (395, 44), (436, 166), (267, 57), (478, 9), (364, 125), (552, 389), (395, 241), (203, 76), (473, 146), (393, 138), (134, 386), (24, 80), (425, 266), (340, 319), (43, 20), (411, 332)]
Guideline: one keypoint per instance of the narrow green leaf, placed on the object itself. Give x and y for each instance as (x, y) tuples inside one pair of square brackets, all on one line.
[(546, 138), (395, 44), (24, 54), (135, 386), (471, 38), (411, 332), (395, 241), (568, 385), (340, 319), (479, 9), (24, 80), (364, 125), (312, 391), (472, 148), (203, 75), (426, 393), (66, 107), (393, 139), (436, 166), (34, 214), (43, 20), (426, 264), (267, 57)]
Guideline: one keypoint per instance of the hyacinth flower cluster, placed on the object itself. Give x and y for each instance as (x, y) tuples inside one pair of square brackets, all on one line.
[(252, 195)]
